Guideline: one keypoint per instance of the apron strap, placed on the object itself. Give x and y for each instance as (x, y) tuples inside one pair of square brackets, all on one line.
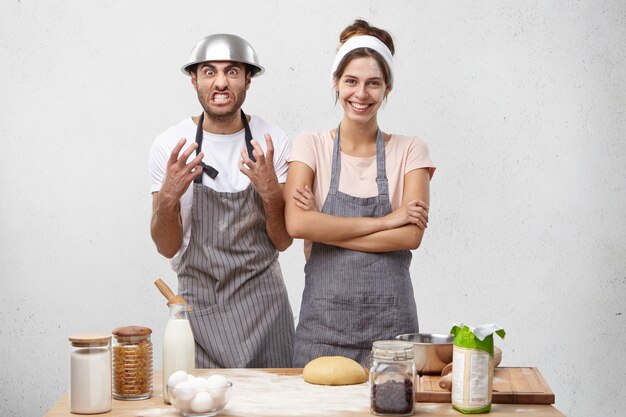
[(246, 126), (336, 165), (381, 169), (209, 170)]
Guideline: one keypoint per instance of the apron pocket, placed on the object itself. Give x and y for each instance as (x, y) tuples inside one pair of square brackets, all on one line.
[(219, 333), (354, 320)]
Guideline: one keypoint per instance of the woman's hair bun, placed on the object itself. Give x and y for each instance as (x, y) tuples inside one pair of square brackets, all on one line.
[(361, 27)]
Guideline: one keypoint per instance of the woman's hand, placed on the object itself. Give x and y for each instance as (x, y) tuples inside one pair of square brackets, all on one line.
[(304, 198), (414, 212)]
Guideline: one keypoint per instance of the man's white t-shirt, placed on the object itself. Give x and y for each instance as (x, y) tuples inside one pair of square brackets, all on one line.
[(222, 152)]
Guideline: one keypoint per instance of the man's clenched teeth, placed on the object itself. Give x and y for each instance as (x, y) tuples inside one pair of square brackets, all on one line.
[(221, 97)]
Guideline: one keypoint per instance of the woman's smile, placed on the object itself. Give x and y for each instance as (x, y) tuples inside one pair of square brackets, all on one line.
[(359, 106)]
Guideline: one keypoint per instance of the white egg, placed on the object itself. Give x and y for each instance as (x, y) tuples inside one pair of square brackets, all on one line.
[(217, 387), (201, 384), (201, 403), (217, 381), (198, 384), (185, 390), (176, 377)]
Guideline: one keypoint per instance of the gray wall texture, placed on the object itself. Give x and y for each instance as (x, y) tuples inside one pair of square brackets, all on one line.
[(521, 102)]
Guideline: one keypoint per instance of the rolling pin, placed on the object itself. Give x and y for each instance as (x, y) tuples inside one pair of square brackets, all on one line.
[(167, 292), (445, 381)]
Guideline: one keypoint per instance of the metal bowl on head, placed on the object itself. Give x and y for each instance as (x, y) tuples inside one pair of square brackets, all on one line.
[(223, 47), (432, 351)]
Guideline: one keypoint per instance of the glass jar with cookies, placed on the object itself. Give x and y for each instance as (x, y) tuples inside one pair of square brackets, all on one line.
[(132, 363)]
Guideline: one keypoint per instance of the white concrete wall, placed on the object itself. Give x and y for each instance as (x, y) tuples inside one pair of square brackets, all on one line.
[(522, 105)]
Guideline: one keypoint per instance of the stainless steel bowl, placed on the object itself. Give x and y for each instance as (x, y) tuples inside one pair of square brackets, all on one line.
[(432, 351), (223, 47)]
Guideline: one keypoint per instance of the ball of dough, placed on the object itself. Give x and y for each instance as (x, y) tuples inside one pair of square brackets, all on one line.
[(334, 370)]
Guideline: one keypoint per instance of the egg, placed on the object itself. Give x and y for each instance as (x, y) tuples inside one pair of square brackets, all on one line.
[(217, 387), (217, 381), (201, 403), (201, 384), (198, 384), (185, 390), (176, 377)]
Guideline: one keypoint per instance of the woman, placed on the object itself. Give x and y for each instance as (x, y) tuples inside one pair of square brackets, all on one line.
[(361, 196)]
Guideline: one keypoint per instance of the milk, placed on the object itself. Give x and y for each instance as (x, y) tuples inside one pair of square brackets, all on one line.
[(179, 350)]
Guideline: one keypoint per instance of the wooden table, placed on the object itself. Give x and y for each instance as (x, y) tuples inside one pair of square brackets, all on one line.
[(283, 393)]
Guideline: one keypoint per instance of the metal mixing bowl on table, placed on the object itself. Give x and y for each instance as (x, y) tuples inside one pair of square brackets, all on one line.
[(432, 351)]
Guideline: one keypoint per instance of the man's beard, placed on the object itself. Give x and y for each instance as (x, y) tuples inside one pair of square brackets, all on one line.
[(223, 118)]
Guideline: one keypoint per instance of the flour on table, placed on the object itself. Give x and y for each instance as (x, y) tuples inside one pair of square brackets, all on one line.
[(256, 393)]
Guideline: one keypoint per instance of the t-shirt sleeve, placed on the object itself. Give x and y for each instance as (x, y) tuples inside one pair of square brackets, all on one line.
[(281, 158), (419, 157), (159, 155), (303, 150)]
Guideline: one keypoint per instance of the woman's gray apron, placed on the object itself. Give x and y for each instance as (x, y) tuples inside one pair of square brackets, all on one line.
[(353, 298), (230, 275)]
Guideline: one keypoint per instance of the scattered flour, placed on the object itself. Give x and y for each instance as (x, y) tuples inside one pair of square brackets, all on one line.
[(257, 393)]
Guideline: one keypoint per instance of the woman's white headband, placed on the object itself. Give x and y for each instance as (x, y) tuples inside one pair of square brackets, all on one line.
[(363, 41)]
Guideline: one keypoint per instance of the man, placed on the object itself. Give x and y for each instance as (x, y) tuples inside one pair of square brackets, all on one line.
[(223, 232)]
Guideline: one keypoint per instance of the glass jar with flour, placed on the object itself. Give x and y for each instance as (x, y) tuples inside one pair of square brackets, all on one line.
[(90, 373)]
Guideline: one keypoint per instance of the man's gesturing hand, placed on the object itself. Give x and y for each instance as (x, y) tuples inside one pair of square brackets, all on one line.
[(179, 174), (261, 173)]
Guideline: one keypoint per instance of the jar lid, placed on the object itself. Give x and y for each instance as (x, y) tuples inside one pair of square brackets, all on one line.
[(90, 339), (132, 331), (396, 350)]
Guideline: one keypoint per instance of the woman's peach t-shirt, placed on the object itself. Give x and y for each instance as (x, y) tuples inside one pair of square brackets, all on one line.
[(358, 175)]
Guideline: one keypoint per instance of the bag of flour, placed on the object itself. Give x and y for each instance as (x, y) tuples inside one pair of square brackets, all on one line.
[(472, 367)]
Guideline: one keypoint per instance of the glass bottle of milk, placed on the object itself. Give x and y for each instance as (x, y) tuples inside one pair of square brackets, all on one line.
[(178, 345)]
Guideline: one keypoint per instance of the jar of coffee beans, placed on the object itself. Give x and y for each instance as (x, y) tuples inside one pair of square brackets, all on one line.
[(392, 378)]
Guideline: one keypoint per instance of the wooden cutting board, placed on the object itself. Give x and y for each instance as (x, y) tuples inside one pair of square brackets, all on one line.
[(510, 386)]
